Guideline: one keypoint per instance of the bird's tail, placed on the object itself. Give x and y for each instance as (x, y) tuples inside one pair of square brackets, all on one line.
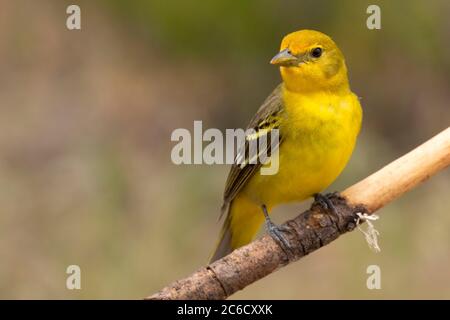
[(242, 222)]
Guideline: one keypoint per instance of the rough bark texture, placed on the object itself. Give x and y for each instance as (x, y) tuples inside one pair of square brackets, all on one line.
[(308, 232), (313, 228)]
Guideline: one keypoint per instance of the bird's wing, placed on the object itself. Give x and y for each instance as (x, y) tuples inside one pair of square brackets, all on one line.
[(263, 122)]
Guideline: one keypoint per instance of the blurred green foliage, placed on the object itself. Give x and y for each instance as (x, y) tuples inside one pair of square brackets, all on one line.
[(222, 29)]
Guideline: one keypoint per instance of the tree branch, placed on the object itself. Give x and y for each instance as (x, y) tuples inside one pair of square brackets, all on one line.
[(315, 227)]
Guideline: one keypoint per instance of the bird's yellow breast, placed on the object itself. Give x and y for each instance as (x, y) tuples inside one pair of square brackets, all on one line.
[(319, 132)]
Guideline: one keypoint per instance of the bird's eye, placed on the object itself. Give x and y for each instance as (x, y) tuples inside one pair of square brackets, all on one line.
[(316, 52)]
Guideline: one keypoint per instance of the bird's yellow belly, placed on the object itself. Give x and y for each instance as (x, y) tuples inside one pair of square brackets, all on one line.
[(309, 160), (302, 172)]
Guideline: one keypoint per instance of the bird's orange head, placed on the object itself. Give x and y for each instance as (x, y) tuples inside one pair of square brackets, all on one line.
[(310, 61)]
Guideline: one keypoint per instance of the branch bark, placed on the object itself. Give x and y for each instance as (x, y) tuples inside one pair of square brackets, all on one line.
[(315, 227)]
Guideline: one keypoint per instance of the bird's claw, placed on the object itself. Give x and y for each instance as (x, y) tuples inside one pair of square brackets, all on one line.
[(325, 202), (276, 232)]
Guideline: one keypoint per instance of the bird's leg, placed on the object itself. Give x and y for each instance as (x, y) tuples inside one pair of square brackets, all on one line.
[(276, 232), (325, 202)]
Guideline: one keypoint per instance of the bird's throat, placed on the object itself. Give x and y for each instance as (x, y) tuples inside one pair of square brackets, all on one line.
[(296, 80)]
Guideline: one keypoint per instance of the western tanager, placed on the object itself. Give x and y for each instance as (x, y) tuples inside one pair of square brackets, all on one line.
[(318, 118)]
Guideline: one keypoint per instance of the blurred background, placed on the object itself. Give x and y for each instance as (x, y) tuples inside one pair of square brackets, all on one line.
[(86, 118)]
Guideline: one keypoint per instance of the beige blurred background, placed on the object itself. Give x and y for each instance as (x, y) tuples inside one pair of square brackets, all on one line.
[(86, 117)]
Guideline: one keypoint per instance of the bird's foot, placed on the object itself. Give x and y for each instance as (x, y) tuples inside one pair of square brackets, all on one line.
[(324, 201), (276, 232)]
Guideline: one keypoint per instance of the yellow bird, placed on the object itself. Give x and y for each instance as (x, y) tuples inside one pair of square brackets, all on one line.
[(318, 118)]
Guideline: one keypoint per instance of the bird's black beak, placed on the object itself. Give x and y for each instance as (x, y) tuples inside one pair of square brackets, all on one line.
[(284, 58)]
